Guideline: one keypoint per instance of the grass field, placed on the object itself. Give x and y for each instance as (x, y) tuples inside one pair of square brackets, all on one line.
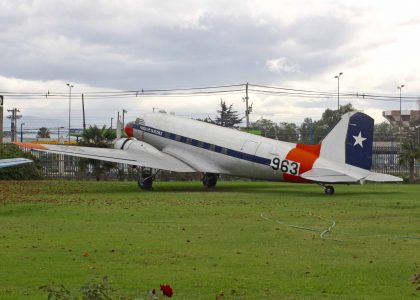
[(251, 240)]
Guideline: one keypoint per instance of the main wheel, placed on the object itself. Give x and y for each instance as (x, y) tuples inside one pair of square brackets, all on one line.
[(146, 183), (329, 190), (145, 179), (210, 180)]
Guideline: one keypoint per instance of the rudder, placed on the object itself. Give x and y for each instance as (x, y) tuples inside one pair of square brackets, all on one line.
[(359, 141), (350, 141)]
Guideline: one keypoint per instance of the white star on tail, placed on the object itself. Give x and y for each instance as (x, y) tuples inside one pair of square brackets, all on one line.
[(358, 140)]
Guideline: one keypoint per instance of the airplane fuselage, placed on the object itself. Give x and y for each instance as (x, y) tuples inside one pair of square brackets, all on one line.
[(164, 142), (205, 146)]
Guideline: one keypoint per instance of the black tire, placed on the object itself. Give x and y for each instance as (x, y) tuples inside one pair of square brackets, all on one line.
[(210, 180), (329, 190), (146, 184)]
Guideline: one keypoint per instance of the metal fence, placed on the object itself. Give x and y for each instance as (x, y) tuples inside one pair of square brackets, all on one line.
[(58, 166), (385, 159)]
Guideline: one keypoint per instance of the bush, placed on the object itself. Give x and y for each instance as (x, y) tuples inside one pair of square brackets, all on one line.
[(20, 172)]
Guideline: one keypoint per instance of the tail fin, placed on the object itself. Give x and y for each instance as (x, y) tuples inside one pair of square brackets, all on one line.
[(350, 141)]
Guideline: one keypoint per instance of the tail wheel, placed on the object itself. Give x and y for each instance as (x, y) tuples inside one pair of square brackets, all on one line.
[(329, 190), (210, 180)]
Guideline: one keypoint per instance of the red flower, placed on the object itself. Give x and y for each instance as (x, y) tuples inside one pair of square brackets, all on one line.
[(166, 290)]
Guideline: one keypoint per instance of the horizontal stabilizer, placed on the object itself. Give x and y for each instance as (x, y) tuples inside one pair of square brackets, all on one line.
[(379, 177), (327, 175)]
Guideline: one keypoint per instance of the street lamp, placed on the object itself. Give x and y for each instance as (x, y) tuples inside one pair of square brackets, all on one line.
[(338, 89), (124, 112), (400, 88), (111, 122), (58, 135), (70, 87), (21, 132)]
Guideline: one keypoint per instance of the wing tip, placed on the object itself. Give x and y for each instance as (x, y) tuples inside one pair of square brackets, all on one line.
[(30, 145)]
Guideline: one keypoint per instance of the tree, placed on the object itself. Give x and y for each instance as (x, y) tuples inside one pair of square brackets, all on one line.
[(410, 152), (385, 132), (206, 120), (43, 133), (268, 128), (98, 137), (227, 116), (330, 117), (101, 138), (317, 130), (311, 132), (288, 132)]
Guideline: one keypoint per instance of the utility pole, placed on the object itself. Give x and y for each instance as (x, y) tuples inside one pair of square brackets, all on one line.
[(248, 109), (124, 112), (400, 88), (83, 107), (1, 119), (401, 121), (338, 89), (13, 120), (111, 122), (21, 131)]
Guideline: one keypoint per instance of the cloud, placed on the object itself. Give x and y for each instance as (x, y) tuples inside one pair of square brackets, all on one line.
[(111, 45), (123, 44), (280, 65)]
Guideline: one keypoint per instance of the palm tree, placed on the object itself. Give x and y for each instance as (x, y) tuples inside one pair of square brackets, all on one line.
[(43, 133), (410, 151), (101, 138)]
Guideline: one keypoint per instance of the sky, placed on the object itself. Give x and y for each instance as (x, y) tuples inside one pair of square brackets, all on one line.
[(112, 45)]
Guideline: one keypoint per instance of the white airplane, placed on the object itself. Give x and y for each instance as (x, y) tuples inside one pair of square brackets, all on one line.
[(9, 162), (159, 141)]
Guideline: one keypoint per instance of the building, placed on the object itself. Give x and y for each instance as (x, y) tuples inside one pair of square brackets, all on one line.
[(407, 118)]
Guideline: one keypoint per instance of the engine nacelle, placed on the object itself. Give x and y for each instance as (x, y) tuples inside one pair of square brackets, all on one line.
[(134, 145)]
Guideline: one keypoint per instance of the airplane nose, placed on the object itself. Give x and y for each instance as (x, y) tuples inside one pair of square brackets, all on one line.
[(129, 129)]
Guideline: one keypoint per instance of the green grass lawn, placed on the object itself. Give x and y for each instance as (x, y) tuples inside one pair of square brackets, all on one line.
[(251, 240)]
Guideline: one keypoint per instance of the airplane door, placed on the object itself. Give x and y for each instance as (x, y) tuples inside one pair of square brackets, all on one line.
[(264, 149)]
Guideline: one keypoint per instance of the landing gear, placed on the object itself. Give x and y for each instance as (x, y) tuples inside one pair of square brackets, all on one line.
[(329, 190), (210, 180), (146, 178)]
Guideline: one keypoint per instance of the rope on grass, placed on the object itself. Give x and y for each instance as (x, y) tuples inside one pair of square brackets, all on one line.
[(328, 230), (322, 232)]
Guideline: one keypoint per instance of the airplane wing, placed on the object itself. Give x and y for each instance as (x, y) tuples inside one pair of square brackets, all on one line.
[(9, 162), (143, 155)]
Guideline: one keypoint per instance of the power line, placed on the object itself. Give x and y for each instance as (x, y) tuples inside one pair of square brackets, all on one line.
[(258, 89)]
